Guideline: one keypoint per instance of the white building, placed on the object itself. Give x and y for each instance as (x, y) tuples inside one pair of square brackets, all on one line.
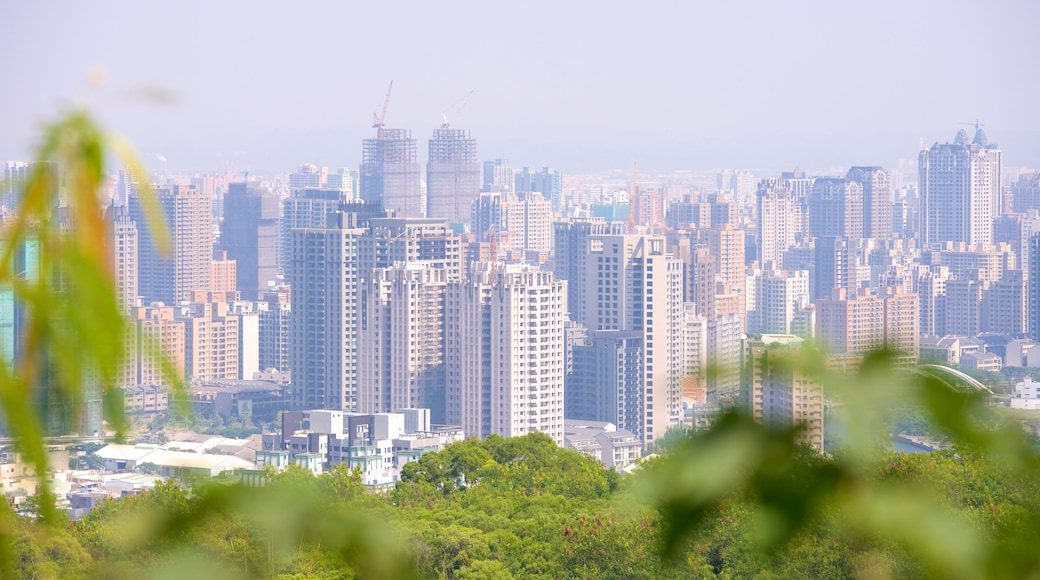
[(779, 220), (778, 296), (1027, 395), (615, 448), (505, 351), (528, 220), (960, 190), (632, 285), (401, 339)]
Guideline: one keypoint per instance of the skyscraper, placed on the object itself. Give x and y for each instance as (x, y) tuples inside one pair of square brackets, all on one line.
[(390, 173), (452, 174), (505, 351), (528, 223), (324, 315), (123, 247), (249, 234), (836, 208), (498, 176), (570, 248), (389, 241), (401, 337), (171, 278), (632, 285), (779, 219), (960, 190), (877, 200), (547, 182)]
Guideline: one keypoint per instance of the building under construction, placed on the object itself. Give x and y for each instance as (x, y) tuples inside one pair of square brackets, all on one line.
[(452, 174), (390, 173)]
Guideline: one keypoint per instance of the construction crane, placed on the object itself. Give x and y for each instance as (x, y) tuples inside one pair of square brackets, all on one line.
[(456, 107), (377, 116)]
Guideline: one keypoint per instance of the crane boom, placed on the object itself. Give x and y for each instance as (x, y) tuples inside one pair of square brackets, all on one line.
[(379, 116)]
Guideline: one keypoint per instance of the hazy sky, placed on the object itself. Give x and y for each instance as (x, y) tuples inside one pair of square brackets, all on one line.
[(583, 86)]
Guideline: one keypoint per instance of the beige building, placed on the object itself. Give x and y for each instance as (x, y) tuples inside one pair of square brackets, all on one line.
[(189, 218), (222, 273), (210, 341), (155, 327), (781, 394), (864, 322)]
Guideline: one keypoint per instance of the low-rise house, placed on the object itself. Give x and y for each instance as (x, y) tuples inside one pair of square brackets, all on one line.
[(614, 448), (1026, 395)]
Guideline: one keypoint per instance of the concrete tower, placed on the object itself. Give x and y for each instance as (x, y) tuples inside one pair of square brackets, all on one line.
[(452, 174), (390, 173)]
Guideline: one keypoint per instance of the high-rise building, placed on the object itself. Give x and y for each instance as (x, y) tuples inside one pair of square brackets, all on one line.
[(389, 241), (857, 323), (606, 383), (726, 243), (401, 338), (156, 327), (306, 208), (123, 247), (902, 323), (172, 278), (505, 351), (498, 176), (570, 249), (833, 266), (275, 316), (210, 340), (1034, 288), (778, 393), (390, 173), (486, 215), (1004, 305), (528, 223), (452, 174), (308, 177), (323, 351), (632, 285), (877, 200), (779, 221), (960, 190), (16, 173), (249, 234), (222, 273), (779, 295), (836, 208), (547, 182)]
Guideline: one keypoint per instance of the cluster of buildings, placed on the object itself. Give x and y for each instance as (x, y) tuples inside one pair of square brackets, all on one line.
[(505, 303)]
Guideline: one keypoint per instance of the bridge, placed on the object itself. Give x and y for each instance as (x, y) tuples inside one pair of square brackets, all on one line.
[(964, 383)]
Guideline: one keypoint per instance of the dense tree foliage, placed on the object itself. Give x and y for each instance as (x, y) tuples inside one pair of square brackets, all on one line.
[(524, 508)]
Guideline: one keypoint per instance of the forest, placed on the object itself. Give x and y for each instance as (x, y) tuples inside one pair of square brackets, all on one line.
[(525, 508)]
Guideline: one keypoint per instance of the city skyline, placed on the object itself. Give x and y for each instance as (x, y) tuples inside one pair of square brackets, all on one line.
[(583, 88)]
